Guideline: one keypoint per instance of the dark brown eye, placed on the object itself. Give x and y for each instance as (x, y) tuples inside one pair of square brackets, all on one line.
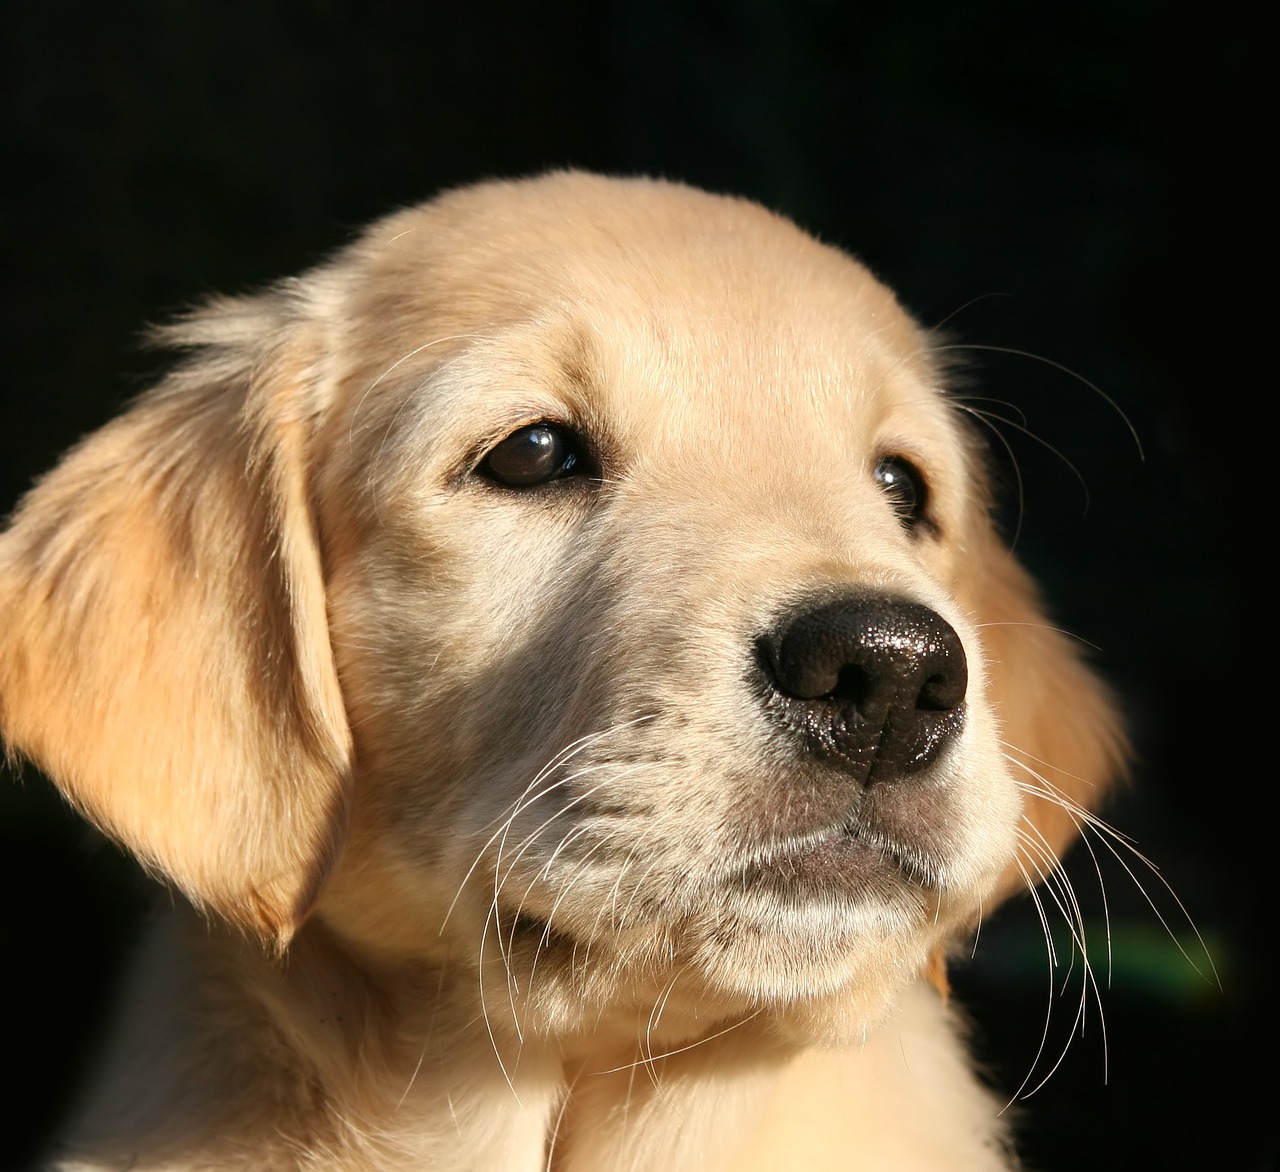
[(534, 455), (901, 482)]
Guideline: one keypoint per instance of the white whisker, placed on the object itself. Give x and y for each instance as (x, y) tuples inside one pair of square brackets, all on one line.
[(650, 1058)]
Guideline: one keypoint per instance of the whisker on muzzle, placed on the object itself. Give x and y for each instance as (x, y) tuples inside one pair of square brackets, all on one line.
[(1044, 873)]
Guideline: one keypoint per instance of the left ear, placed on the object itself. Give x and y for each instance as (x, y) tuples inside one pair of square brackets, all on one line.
[(164, 653), (1059, 724)]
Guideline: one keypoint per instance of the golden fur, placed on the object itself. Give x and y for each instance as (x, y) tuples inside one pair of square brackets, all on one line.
[(496, 838)]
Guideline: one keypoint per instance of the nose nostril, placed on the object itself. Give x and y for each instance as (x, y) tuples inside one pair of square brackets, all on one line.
[(809, 680), (853, 685), (941, 692)]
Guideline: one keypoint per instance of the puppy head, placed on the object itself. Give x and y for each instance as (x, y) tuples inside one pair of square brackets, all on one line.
[(630, 533)]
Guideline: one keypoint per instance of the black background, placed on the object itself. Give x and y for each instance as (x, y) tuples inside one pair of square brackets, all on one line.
[(1080, 182)]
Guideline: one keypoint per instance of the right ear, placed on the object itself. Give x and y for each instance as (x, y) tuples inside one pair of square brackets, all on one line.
[(164, 651)]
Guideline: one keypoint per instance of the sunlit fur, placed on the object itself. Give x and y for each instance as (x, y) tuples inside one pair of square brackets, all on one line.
[(458, 784)]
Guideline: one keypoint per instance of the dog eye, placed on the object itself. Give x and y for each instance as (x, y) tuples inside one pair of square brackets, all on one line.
[(533, 455), (901, 482)]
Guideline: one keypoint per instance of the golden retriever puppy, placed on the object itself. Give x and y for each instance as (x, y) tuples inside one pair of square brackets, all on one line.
[(559, 658)]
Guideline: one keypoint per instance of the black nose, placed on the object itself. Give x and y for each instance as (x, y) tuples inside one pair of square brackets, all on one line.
[(871, 685)]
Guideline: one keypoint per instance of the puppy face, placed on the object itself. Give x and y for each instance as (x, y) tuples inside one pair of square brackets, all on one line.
[(624, 469), (613, 562)]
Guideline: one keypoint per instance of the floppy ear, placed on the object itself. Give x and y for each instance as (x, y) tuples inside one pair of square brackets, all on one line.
[(1059, 725), (164, 653)]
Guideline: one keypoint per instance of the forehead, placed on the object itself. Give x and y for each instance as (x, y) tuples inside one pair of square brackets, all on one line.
[(660, 308)]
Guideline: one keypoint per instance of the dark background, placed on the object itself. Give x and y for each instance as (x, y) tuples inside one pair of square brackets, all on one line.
[(1076, 181)]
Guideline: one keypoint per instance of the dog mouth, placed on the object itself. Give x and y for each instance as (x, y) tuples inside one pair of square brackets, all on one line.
[(849, 860)]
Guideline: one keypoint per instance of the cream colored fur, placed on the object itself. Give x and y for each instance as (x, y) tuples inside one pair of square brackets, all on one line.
[(457, 783)]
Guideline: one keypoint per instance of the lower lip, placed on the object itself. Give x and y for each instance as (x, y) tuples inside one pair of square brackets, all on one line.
[(835, 863)]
